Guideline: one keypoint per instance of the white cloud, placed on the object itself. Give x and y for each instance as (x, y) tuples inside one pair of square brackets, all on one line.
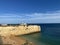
[(48, 17), (44, 15)]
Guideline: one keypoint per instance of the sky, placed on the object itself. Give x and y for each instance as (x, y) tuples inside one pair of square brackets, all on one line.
[(29, 11)]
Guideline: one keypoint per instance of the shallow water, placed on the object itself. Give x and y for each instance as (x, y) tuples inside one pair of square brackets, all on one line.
[(49, 35)]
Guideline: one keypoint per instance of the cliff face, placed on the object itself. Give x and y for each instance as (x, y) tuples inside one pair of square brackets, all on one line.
[(19, 30)]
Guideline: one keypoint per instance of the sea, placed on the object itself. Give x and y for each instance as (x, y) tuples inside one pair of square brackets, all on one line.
[(49, 35)]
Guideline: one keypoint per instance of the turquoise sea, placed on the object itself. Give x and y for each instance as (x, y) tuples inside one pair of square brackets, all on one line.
[(49, 35)]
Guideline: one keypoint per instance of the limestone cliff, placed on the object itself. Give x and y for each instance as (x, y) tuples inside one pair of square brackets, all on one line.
[(19, 30)]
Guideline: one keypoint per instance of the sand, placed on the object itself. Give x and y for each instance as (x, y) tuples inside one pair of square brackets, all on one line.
[(13, 40)]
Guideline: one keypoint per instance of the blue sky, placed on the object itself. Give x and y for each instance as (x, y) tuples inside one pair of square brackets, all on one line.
[(29, 11)]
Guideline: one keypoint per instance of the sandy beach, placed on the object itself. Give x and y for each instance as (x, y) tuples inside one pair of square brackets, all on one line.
[(13, 40)]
